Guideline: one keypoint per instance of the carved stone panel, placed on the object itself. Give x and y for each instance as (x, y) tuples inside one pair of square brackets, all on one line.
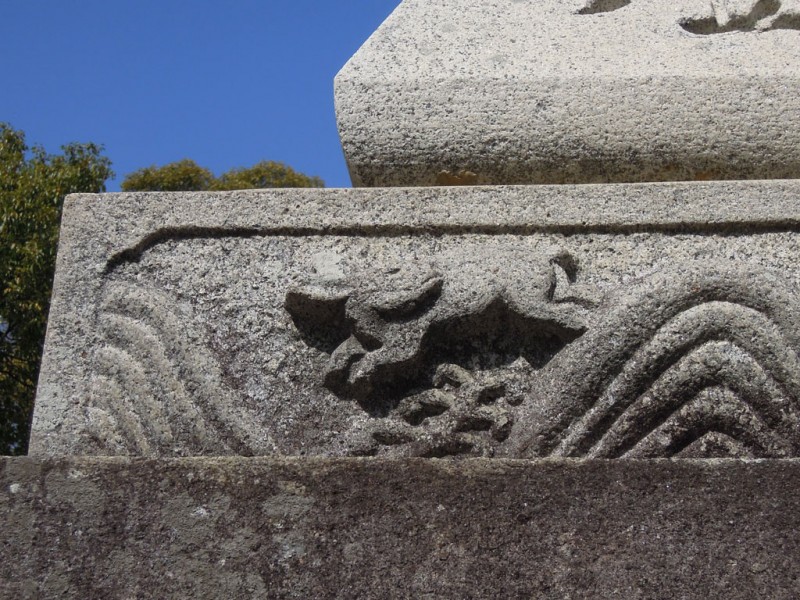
[(623, 321)]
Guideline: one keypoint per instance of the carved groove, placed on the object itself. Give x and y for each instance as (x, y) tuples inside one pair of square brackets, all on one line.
[(712, 444), (125, 420), (692, 329), (161, 387), (167, 400), (644, 365), (715, 410), (134, 253), (679, 388)]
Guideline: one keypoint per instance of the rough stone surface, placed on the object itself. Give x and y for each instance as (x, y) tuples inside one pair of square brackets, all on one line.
[(101, 528), (573, 91), (635, 320)]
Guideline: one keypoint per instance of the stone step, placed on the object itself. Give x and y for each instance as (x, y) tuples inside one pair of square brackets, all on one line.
[(369, 528)]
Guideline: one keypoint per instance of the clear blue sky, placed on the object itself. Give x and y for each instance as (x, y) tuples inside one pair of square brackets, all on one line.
[(224, 83)]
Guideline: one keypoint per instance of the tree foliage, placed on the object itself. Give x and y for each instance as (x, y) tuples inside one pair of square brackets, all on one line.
[(33, 185), (182, 176), (266, 174), (186, 175)]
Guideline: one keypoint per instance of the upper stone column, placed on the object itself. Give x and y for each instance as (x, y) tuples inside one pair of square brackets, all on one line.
[(574, 91)]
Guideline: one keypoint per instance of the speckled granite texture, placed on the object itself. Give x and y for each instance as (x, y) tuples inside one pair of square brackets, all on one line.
[(94, 528), (632, 320), (574, 91), (249, 394)]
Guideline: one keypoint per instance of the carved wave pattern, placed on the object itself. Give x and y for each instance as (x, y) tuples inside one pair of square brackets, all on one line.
[(700, 366), (161, 387)]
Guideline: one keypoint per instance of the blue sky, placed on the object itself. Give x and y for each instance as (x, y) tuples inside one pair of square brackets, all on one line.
[(224, 83)]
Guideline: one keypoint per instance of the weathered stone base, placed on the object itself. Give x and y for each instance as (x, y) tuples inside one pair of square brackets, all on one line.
[(368, 528)]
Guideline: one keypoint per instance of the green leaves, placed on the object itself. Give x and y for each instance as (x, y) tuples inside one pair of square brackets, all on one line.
[(182, 176), (186, 176), (266, 174), (33, 185)]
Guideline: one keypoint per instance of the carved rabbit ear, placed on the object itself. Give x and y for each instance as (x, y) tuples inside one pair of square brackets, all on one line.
[(319, 315), (568, 263), (409, 305)]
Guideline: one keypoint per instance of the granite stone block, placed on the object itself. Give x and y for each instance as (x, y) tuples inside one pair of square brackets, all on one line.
[(574, 91), (605, 321)]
